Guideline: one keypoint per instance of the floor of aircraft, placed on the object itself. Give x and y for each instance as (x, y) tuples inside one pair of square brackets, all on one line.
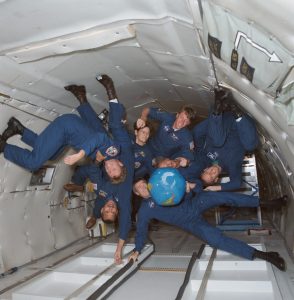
[(169, 241)]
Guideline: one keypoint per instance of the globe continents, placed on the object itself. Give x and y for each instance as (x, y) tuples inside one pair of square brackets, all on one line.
[(167, 186)]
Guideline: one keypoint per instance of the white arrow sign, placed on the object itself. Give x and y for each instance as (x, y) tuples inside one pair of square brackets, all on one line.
[(273, 57)]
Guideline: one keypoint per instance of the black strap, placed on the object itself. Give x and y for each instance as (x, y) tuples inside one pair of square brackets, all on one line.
[(192, 261), (110, 281)]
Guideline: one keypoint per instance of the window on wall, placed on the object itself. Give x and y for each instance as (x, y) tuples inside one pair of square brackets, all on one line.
[(42, 176)]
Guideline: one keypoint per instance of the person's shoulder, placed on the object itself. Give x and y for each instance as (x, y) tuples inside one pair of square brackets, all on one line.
[(132, 137), (146, 148), (168, 119), (148, 204)]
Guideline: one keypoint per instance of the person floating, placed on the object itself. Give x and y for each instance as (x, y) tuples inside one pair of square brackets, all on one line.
[(172, 139), (188, 215), (222, 141), (115, 197), (66, 130)]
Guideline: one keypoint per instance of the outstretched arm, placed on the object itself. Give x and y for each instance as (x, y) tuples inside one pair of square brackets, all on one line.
[(117, 123), (118, 251), (144, 114)]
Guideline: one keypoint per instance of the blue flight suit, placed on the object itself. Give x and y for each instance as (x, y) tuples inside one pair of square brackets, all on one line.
[(190, 177), (168, 142), (103, 187), (66, 130), (121, 192), (143, 160), (188, 216), (196, 166), (223, 140)]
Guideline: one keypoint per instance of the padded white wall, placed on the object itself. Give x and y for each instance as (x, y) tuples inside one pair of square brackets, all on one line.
[(33, 221)]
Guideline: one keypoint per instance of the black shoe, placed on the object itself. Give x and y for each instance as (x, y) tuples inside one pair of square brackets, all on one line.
[(227, 101), (237, 112), (107, 82), (220, 97), (14, 127), (2, 144), (71, 187), (220, 94), (79, 91), (276, 260), (217, 109), (272, 257), (275, 203)]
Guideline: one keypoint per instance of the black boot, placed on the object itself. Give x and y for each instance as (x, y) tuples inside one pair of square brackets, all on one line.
[(275, 203), (217, 108), (237, 112), (272, 257), (79, 91), (220, 95), (107, 82), (14, 127), (2, 144)]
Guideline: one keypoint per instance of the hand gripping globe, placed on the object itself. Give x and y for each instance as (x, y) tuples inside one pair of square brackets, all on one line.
[(167, 186)]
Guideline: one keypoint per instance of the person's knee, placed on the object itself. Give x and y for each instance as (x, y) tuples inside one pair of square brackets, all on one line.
[(34, 166), (35, 163), (212, 236)]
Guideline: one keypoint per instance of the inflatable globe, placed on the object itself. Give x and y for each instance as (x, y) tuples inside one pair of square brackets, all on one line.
[(167, 186)]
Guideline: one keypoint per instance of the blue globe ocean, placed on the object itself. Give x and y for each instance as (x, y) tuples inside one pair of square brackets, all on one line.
[(167, 186)]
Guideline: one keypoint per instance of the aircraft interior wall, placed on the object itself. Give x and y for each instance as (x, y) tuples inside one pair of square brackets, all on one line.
[(158, 52)]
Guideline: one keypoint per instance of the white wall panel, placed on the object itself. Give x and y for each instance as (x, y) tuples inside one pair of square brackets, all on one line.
[(79, 16), (175, 69), (13, 234), (262, 50), (273, 16), (172, 36), (31, 226), (67, 225)]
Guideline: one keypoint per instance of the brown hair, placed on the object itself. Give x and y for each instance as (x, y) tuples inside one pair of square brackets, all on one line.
[(121, 178), (136, 181), (147, 124), (191, 113), (158, 160)]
